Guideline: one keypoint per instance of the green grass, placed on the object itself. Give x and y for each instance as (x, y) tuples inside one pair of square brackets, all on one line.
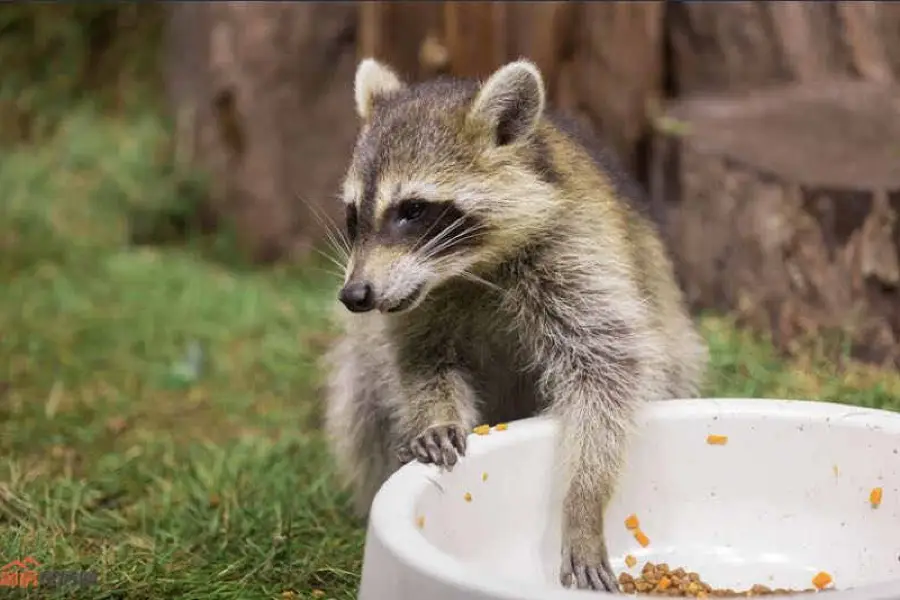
[(159, 410)]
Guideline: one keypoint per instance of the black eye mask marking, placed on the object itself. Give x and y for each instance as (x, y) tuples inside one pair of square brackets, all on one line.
[(352, 220), (439, 225)]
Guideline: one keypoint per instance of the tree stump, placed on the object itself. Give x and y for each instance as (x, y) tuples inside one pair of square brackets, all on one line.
[(601, 62), (782, 205), (406, 35), (732, 46), (262, 94), (618, 72)]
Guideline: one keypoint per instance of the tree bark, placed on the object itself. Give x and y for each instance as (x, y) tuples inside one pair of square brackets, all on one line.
[(618, 71), (263, 102), (782, 205), (747, 45), (600, 62), (404, 35)]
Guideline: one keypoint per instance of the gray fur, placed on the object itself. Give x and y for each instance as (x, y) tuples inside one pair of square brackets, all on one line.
[(568, 306)]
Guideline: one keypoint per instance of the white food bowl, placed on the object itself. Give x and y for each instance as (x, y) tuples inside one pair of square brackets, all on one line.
[(786, 497)]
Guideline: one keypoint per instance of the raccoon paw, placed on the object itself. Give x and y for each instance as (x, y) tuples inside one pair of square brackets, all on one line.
[(587, 570), (439, 444)]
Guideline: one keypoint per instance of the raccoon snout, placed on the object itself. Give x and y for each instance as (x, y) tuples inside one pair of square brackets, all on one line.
[(358, 296)]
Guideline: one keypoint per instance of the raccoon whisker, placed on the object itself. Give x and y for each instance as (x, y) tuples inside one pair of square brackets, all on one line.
[(489, 284), (436, 239), (340, 254), (331, 272), (337, 241), (466, 274), (435, 222), (333, 232), (332, 260), (459, 236)]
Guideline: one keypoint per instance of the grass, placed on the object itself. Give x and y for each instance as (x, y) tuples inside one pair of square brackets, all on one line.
[(159, 415)]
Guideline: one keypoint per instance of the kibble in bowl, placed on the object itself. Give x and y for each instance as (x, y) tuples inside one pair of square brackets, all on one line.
[(660, 580)]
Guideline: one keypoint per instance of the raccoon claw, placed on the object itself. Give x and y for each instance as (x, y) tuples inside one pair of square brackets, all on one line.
[(440, 445), (598, 576)]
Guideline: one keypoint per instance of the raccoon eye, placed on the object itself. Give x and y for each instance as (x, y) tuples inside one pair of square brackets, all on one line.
[(351, 221), (410, 210)]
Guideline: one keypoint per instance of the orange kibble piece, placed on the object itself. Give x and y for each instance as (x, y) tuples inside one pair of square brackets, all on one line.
[(875, 496), (420, 522), (664, 583), (641, 538), (630, 561), (821, 580), (482, 429), (501, 426), (632, 522), (467, 497), (717, 440)]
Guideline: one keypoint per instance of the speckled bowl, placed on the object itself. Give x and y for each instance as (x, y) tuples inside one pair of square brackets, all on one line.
[(786, 497)]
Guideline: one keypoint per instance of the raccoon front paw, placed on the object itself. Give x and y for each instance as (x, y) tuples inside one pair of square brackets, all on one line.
[(587, 570), (439, 444)]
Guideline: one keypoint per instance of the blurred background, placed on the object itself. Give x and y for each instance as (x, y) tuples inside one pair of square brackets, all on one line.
[(168, 175)]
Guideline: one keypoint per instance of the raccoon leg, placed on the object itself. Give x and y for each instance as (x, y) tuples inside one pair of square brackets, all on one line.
[(435, 418), (596, 374), (358, 430), (585, 558)]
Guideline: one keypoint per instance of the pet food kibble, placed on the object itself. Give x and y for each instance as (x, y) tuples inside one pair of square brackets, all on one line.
[(420, 522), (632, 522), (821, 580), (875, 497), (467, 497), (717, 440), (641, 538), (660, 580), (482, 429), (630, 561), (484, 476), (501, 426)]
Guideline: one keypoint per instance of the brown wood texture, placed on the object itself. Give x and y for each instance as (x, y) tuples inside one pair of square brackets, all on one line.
[(746, 45), (618, 71), (783, 205), (601, 62), (262, 95)]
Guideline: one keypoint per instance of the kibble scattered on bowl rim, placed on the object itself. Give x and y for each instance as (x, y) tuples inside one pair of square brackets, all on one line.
[(485, 428)]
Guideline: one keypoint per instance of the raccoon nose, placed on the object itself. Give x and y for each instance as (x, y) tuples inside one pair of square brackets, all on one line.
[(358, 296)]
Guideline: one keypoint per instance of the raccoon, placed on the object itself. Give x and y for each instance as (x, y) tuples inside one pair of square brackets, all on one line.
[(499, 267)]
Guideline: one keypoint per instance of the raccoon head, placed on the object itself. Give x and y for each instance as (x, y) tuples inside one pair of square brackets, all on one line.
[(446, 178)]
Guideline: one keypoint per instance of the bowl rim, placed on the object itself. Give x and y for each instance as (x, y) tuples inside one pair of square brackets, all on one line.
[(392, 515)]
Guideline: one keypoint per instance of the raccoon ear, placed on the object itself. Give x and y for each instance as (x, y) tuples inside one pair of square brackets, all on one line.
[(373, 80), (511, 101)]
